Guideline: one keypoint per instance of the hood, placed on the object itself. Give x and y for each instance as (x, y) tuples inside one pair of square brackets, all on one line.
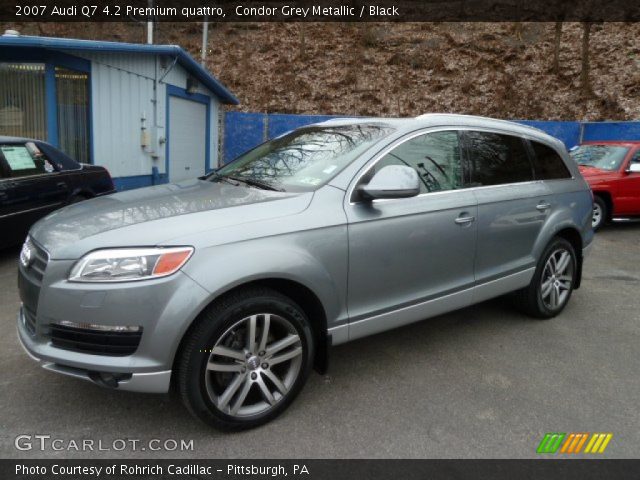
[(153, 215), (597, 176), (588, 171)]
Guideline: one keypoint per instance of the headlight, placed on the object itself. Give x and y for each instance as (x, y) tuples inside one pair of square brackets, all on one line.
[(127, 264)]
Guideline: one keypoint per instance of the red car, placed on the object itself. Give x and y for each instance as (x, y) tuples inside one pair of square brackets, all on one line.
[(612, 169)]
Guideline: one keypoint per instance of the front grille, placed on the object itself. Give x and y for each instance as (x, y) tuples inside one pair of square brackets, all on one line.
[(29, 320), (40, 263), (30, 275), (35, 270), (95, 342)]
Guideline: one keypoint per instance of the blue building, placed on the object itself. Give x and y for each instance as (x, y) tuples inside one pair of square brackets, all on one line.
[(148, 113)]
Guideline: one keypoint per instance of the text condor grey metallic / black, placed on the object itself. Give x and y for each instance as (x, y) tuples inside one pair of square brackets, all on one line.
[(233, 286)]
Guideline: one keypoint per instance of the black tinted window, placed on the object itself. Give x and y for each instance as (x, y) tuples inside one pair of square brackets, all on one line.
[(496, 159), (436, 158), (547, 163)]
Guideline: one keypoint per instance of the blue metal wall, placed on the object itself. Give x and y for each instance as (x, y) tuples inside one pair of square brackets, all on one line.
[(243, 131), (280, 123), (611, 131), (568, 132)]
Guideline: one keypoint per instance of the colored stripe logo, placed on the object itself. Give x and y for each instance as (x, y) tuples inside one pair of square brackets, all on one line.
[(572, 443), (598, 443), (551, 442)]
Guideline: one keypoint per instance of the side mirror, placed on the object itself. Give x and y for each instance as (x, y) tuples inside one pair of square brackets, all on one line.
[(393, 181), (634, 168)]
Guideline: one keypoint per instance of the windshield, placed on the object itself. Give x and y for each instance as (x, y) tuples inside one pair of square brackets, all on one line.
[(605, 157), (304, 159)]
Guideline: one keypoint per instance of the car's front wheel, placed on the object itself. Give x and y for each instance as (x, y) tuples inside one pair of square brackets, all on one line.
[(552, 283), (246, 359)]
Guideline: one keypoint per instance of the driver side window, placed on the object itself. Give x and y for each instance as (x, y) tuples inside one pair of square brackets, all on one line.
[(434, 156)]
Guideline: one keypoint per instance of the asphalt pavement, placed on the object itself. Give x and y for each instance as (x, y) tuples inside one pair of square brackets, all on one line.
[(483, 382)]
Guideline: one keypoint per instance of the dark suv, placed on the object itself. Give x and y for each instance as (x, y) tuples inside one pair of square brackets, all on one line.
[(35, 179)]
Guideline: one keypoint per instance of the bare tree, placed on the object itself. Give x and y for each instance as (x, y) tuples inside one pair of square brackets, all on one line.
[(585, 83), (517, 31)]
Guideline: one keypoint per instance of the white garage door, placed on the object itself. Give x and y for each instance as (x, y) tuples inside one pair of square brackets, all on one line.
[(187, 139)]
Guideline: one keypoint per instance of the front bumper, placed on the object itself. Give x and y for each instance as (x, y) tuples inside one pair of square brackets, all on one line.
[(163, 308), (148, 382)]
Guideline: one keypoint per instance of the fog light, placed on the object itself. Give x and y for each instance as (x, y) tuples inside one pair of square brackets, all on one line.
[(107, 379), (100, 328)]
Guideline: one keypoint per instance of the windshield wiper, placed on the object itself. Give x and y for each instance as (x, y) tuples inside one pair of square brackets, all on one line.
[(236, 181), (255, 183), (223, 178)]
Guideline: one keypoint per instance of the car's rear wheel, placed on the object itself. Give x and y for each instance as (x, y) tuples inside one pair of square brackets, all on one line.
[(552, 283), (77, 199), (246, 359), (600, 213)]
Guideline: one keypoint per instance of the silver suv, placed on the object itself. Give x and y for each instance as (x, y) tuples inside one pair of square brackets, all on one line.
[(231, 287)]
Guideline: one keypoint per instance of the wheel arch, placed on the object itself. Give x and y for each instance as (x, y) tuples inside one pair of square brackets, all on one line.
[(572, 235), (300, 293), (608, 200), (80, 192)]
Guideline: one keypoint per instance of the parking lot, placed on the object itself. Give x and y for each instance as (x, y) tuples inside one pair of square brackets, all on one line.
[(483, 382)]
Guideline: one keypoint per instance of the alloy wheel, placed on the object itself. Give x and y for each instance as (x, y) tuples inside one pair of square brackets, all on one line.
[(253, 365), (557, 279)]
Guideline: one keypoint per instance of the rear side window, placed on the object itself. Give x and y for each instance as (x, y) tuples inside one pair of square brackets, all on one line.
[(496, 159), (548, 164), (23, 160)]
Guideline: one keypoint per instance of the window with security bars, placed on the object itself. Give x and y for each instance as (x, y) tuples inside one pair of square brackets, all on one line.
[(72, 98), (22, 100), (23, 106)]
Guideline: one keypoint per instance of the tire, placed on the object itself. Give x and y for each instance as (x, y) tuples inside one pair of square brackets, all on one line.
[(232, 384), (600, 213), (534, 299)]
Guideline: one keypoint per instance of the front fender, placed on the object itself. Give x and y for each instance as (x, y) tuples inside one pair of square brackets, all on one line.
[(234, 268), (316, 259)]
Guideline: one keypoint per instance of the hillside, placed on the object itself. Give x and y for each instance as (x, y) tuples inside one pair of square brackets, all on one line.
[(498, 69)]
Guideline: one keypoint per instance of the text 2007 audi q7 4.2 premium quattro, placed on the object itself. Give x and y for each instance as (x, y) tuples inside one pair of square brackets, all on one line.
[(232, 286)]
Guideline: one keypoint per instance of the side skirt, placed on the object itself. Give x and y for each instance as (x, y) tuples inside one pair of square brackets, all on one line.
[(430, 308)]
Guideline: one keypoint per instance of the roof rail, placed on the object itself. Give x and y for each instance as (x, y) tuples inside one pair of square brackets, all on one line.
[(479, 117)]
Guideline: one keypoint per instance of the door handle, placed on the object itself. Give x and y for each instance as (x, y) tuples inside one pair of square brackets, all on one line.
[(61, 185), (542, 206), (464, 220)]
